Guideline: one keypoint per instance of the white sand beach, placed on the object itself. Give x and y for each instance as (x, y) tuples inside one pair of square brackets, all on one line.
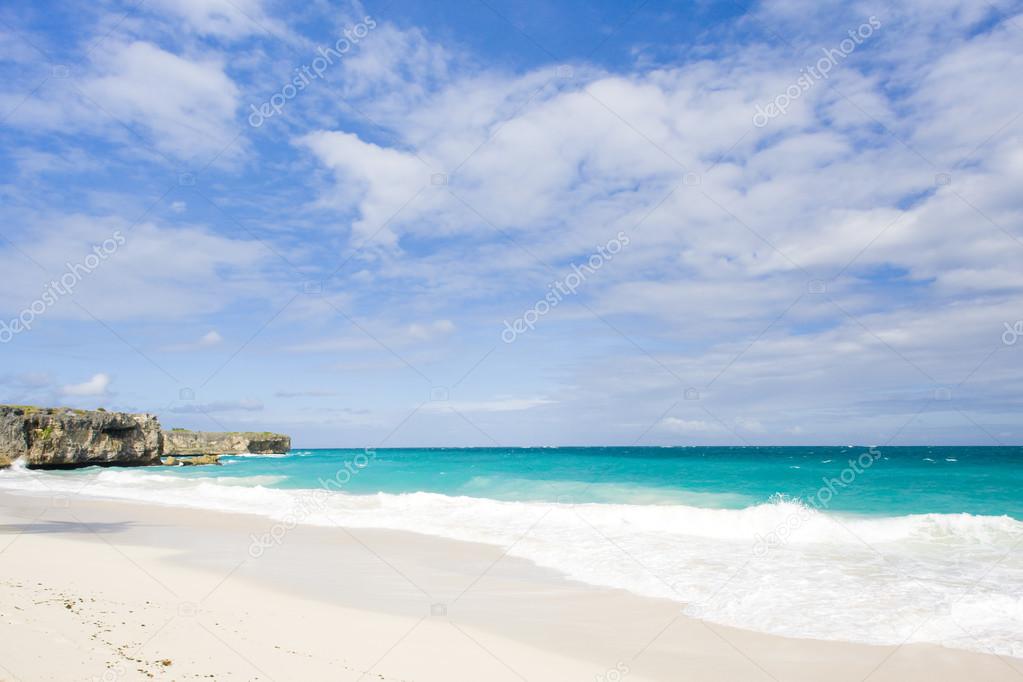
[(98, 590)]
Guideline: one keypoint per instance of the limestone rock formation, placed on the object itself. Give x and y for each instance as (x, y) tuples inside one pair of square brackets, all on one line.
[(179, 442), (59, 437), (190, 460)]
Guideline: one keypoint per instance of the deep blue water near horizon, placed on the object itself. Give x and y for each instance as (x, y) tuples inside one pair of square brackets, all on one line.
[(899, 481)]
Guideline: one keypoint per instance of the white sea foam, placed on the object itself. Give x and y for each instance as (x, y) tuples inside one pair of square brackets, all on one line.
[(955, 579)]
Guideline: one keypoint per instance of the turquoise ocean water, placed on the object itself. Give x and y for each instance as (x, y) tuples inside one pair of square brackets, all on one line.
[(908, 480), (879, 545)]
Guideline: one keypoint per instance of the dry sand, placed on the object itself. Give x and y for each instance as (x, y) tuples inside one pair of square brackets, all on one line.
[(98, 590)]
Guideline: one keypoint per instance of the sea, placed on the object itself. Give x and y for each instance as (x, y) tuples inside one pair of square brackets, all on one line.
[(885, 545)]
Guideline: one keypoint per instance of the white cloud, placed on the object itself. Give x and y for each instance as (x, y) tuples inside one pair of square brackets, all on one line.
[(157, 272), (430, 331), (560, 171), (231, 19), (210, 338), (70, 160), (397, 68), (381, 180), (95, 386), (143, 97), (188, 106)]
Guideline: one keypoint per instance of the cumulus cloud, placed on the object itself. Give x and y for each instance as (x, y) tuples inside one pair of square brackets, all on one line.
[(871, 223), (142, 95), (381, 180), (603, 149), (187, 105), (95, 386), (210, 338)]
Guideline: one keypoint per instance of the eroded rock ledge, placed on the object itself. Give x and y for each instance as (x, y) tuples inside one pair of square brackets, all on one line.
[(182, 442), (58, 437)]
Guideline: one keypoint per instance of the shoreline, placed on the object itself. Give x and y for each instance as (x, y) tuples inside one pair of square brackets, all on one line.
[(504, 616)]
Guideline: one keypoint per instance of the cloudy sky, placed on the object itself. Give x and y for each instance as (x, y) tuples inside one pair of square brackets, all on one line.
[(478, 222)]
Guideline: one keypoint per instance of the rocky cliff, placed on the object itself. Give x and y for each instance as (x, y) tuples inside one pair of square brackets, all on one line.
[(179, 442), (60, 437)]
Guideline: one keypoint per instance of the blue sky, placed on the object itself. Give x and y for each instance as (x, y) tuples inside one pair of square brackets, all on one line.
[(735, 223)]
